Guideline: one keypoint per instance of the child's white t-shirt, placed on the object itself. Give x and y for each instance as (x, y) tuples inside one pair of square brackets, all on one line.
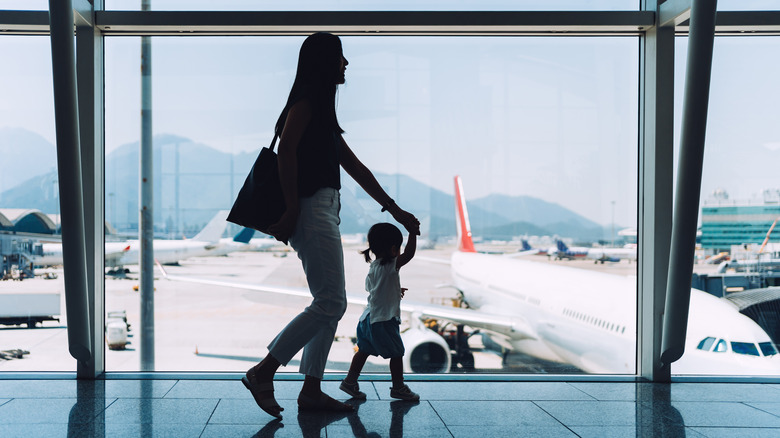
[(383, 285)]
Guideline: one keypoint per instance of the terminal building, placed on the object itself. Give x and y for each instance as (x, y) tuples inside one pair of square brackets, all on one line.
[(726, 222), (21, 232)]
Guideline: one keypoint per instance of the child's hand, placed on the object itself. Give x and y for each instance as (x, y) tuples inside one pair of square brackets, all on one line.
[(403, 291)]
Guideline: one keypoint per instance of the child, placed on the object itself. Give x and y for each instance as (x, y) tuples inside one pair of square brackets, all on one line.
[(378, 330)]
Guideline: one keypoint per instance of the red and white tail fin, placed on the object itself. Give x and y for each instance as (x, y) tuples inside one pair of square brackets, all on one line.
[(465, 244)]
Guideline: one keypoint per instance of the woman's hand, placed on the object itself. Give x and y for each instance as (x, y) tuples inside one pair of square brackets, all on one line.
[(285, 227), (405, 218)]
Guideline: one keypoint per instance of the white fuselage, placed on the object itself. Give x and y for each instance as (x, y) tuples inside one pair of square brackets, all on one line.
[(588, 318), (591, 327)]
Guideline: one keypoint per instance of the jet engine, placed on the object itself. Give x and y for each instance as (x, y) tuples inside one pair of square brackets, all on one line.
[(426, 351)]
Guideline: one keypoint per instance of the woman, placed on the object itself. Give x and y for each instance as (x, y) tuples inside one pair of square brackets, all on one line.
[(311, 149)]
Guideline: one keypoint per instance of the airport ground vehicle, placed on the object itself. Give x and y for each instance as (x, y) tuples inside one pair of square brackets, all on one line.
[(29, 308)]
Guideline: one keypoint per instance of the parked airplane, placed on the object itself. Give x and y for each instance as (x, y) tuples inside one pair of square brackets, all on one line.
[(556, 313), (173, 251), (126, 253), (601, 255), (587, 318), (562, 251)]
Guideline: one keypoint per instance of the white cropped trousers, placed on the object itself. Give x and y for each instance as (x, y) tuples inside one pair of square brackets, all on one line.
[(317, 241)]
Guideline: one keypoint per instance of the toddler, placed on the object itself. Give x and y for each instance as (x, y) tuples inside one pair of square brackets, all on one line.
[(378, 331)]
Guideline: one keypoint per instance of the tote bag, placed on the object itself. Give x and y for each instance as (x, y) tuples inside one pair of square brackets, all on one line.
[(260, 202)]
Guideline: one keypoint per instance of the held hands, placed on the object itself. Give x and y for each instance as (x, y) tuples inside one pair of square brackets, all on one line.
[(284, 228), (411, 223)]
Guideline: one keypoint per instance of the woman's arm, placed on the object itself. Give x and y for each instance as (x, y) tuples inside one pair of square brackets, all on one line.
[(298, 118), (360, 173)]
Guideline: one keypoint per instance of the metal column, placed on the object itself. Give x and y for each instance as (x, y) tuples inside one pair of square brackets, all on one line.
[(655, 191), (69, 168), (146, 203), (89, 64), (686, 209)]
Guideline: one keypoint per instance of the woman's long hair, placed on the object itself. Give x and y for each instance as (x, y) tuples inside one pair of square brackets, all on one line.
[(316, 78)]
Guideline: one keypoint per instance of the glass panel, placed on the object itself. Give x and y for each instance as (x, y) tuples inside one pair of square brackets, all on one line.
[(380, 5), (33, 335), (744, 348), (542, 132), (24, 5), (706, 344), (748, 5), (767, 348), (740, 200)]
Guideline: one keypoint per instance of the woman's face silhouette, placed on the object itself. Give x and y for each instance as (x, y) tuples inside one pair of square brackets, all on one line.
[(342, 69)]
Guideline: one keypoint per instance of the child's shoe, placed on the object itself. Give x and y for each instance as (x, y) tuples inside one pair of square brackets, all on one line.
[(404, 393), (352, 389)]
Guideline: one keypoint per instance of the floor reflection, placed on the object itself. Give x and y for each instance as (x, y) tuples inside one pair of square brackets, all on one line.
[(655, 415), (90, 404), (397, 411), (313, 423)]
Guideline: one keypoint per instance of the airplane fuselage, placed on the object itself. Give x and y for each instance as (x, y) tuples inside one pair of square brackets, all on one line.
[(573, 324)]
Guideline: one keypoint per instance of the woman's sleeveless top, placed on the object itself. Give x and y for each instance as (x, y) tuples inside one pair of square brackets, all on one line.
[(318, 157)]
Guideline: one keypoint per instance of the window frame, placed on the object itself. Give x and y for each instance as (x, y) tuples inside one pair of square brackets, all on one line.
[(656, 24)]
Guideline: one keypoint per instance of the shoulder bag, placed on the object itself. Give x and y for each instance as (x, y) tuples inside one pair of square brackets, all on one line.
[(260, 202)]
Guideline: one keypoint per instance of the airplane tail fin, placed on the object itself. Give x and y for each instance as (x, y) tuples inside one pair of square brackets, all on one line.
[(212, 232), (561, 246), (244, 236), (526, 246), (465, 244)]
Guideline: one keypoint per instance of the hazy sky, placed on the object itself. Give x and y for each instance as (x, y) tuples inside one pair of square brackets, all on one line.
[(554, 118)]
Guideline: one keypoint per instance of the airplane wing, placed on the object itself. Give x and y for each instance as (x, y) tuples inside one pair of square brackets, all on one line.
[(516, 328), (522, 253)]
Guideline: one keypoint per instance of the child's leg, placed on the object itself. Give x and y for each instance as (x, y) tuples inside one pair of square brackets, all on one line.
[(358, 361), (397, 371)]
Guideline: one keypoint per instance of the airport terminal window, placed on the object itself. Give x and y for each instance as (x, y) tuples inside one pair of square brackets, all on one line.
[(33, 324), (736, 207), (546, 115)]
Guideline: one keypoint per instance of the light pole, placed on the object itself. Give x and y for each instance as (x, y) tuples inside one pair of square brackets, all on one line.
[(613, 224)]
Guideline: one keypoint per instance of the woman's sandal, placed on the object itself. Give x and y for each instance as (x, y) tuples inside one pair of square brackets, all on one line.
[(323, 403), (266, 402)]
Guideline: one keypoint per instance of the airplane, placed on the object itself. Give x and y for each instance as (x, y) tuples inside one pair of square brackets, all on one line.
[(119, 254), (602, 255), (556, 313), (172, 251), (562, 251), (598, 255)]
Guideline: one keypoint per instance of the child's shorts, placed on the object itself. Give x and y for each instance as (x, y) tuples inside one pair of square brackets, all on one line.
[(381, 338)]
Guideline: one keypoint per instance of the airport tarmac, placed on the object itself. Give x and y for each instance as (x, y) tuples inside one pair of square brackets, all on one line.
[(209, 328)]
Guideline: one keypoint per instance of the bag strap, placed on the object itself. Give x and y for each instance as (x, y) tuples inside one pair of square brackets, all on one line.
[(273, 142)]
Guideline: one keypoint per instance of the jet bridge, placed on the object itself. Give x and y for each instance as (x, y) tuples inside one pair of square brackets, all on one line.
[(763, 307)]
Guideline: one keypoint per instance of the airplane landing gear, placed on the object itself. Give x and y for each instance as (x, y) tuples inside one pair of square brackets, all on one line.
[(458, 340)]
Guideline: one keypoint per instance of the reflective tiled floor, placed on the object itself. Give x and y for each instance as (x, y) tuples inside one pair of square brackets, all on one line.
[(224, 408)]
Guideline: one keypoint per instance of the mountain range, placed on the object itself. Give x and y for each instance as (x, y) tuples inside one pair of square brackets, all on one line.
[(193, 181)]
